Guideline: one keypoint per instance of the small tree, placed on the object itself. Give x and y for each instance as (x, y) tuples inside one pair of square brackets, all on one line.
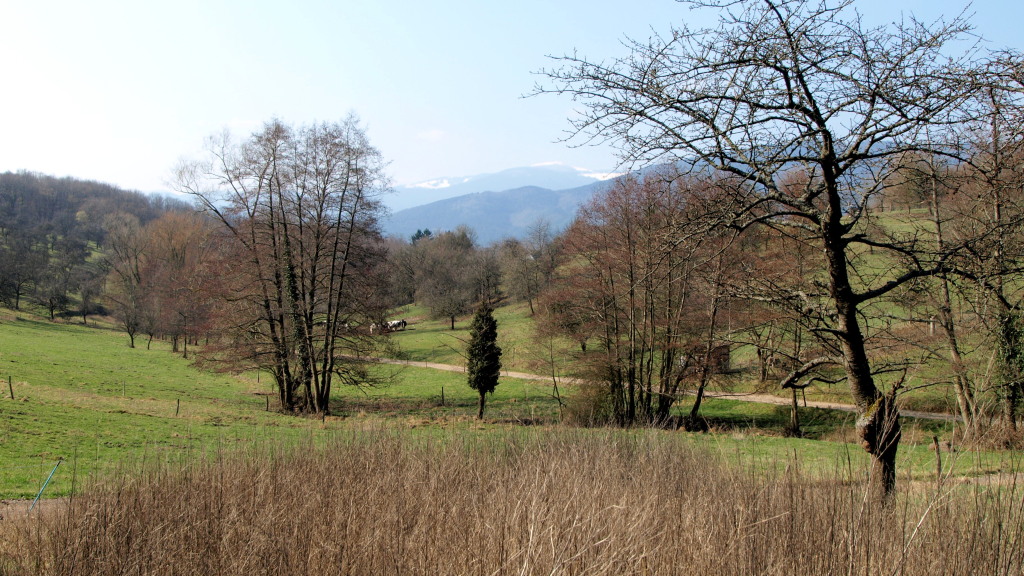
[(483, 355), (444, 273)]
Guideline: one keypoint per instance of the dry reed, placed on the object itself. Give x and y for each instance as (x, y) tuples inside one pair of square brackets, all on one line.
[(537, 502)]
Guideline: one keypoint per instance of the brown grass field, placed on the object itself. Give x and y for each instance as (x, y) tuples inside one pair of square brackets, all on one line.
[(538, 501)]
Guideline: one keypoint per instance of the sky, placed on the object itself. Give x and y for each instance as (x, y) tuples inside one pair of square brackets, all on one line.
[(120, 91)]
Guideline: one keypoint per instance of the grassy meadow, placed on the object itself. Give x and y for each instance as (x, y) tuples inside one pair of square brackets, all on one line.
[(81, 394), (398, 468)]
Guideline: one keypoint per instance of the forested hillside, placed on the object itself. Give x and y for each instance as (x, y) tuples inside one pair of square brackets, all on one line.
[(50, 229)]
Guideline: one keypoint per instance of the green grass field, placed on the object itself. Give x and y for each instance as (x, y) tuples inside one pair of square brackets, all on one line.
[(81, 394)]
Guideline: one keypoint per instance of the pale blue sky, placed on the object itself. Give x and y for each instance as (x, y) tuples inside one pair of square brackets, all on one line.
[(117, 91)]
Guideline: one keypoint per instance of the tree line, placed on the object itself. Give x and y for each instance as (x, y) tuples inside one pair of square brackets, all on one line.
[(50, 232)]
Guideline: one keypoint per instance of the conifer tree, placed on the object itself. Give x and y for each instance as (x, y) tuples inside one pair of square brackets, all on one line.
[(483, 355)]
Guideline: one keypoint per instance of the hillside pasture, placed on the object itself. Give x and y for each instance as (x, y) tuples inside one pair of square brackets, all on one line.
[(397, 480), (80, 393)]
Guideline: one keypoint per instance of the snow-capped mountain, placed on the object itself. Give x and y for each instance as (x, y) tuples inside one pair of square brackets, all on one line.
[(552, 176)]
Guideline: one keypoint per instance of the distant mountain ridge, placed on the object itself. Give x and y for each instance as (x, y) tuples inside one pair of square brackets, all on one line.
[(552, 176), (494, 216)]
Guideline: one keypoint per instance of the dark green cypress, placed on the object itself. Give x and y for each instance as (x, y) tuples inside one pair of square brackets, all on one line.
[(483, 355)]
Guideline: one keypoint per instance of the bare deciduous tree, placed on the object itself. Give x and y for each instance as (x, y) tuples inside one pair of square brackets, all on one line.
[(794, 86), (636, 280), (300, 209), (446, 271), (125, 258)]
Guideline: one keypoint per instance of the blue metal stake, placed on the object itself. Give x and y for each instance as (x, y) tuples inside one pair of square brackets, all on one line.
[(59, 460)]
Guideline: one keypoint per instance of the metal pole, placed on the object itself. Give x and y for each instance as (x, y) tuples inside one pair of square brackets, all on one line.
[(59, 460)]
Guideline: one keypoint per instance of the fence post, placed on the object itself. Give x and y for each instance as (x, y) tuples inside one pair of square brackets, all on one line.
[(10, 387)]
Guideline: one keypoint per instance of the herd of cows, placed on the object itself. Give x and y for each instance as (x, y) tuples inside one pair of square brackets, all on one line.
[(389, 326)]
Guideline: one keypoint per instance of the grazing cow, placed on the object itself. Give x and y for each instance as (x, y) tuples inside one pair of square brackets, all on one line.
[(388, 326)]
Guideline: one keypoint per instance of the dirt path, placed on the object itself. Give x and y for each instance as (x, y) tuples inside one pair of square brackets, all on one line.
[(742, 397), (17, 509), (769, 399)]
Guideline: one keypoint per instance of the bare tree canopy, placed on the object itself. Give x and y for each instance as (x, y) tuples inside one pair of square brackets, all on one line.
[(810, 111), (778, 83), (299, 208)]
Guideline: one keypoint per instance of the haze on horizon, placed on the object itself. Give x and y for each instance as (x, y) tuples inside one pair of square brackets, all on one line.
[(119, 91)]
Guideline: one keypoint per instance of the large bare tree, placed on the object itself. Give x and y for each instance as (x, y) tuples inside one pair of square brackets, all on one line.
[(300, 207), (450, 274), (795, 86)]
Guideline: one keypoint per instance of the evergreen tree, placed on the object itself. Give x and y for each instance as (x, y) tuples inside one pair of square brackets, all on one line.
[(483, 355)]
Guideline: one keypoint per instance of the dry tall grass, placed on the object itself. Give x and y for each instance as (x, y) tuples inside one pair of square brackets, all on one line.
[(538, 502)]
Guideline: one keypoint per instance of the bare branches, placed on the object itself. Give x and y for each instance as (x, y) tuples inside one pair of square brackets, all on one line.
[(792, 379), (811, 114), (300, 208)]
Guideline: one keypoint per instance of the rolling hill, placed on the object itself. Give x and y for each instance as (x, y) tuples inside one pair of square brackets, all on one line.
[(495, 215)]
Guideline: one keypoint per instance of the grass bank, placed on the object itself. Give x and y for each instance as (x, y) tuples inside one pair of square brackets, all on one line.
[(515, 501)]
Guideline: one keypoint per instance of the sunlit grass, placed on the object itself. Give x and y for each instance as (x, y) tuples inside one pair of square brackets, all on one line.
[(383, 500), (83, 395)]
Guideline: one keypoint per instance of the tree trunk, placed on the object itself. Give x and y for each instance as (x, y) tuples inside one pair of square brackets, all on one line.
[(480, 411), (701, 386), (961, 380), (1010, 361), (794, 417), (763, 361), (880, 432), (705, 365), (878, 422)]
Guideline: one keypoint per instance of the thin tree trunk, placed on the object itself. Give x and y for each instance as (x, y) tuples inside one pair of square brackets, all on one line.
[(794, 417), (705, 365), (961, 381)]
